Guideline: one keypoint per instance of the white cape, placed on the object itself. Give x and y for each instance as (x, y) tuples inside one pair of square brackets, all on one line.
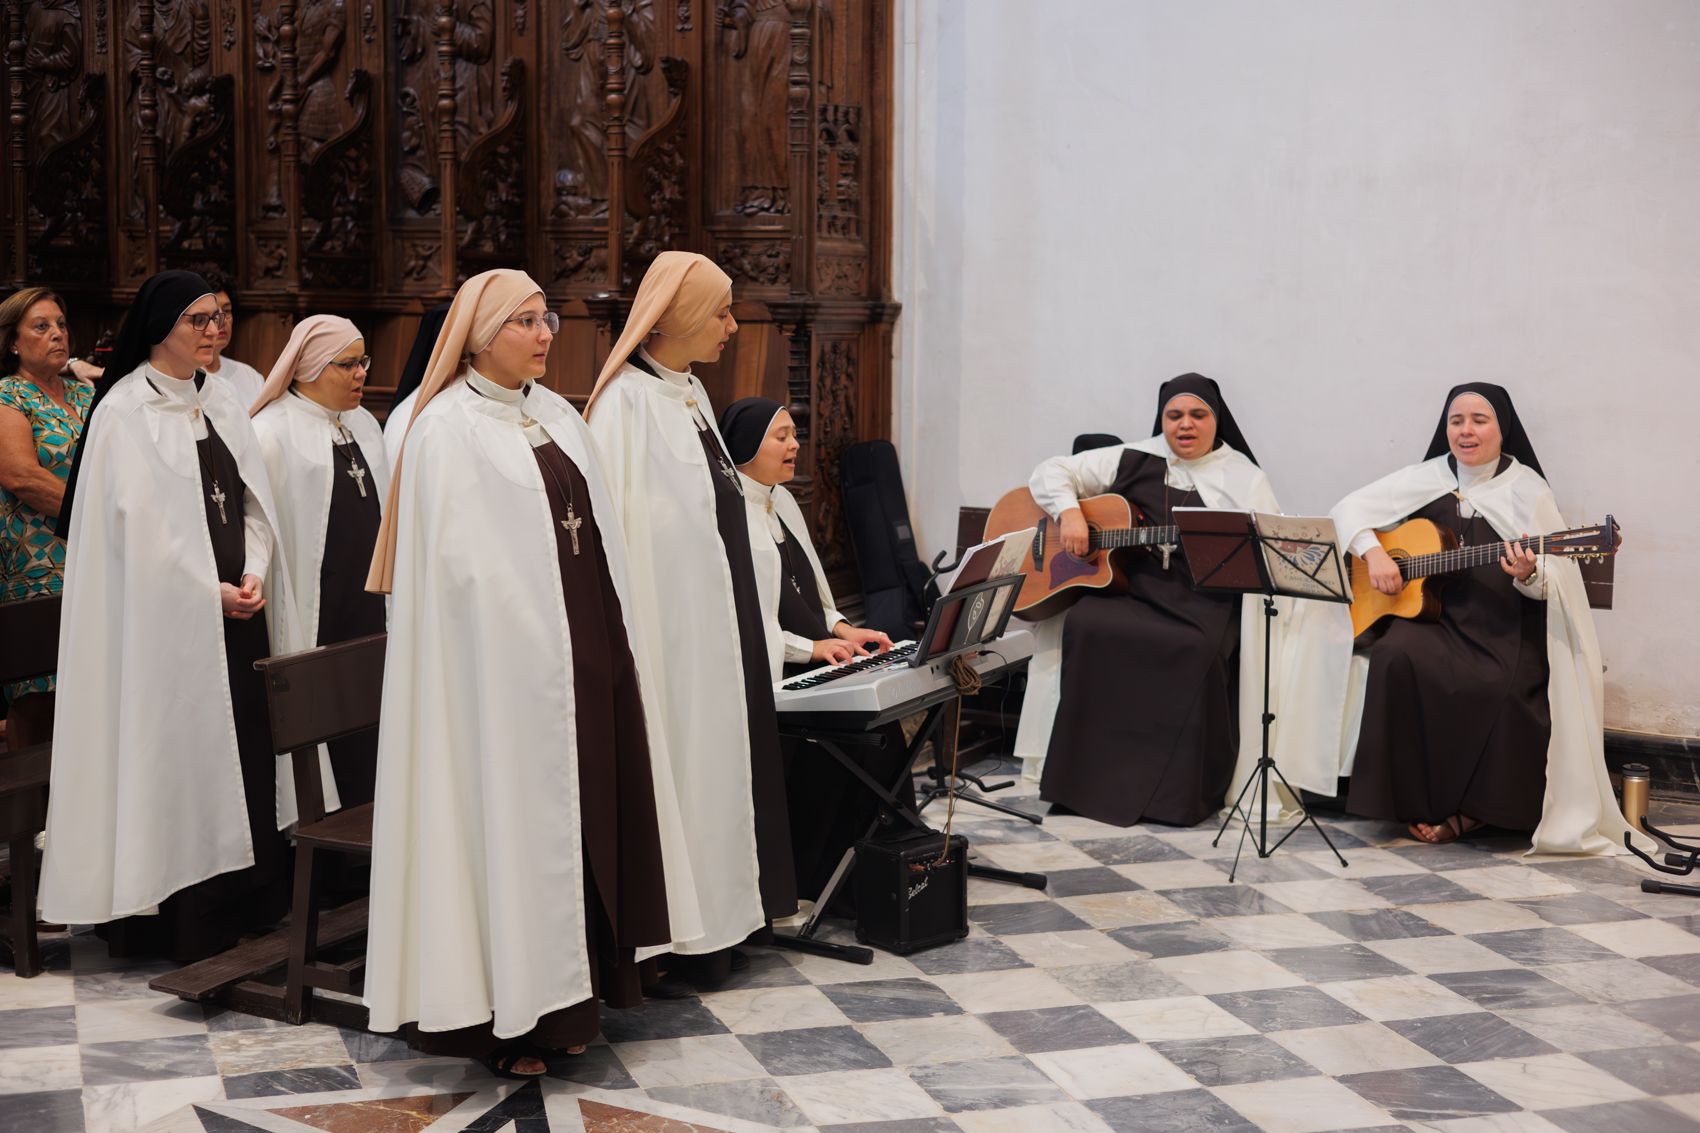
[(144, 733), (477, 905), (295, 443), (395, 425), (657, 473), (766, 508), (1318, 735), (1223, 478)]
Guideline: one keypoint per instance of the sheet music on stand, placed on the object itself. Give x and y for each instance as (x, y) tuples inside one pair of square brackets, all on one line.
[(995, 558)]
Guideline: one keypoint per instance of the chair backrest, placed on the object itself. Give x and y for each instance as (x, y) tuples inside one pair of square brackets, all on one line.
[(1086, 442), (29, 639), (318, 695)]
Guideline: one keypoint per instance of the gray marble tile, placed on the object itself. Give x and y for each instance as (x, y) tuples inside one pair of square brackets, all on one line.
[(1418, 889), (1677, 1016), (148, 1060), (598, 1066), (212, 1121), (1646, 1116), (814, 1050), (1287, 1009), (1004, 830), (1540, 946), (1116, 983), (660, 1019), (1685, 968), (1232, 1061), (906, 1125), (1308, 839), (1689, 923), (1186, 1111), (1578, 908), (365, 1046), (768, 968), (1507, 988), (129, 982), (1135, 849), (1378, 924), (221, 1020), (1084, 882), (1427, 1093), (1056, 1028), (1178, 938), (1334, 962), (1453, 855), (37, 1026), (1656, 1070), (1016, 917), (1253, 870), (760, 1100), (1225, 901), (313, 1080), (875, 1001), (1470, 1038), (52, 1111), (976, 954), (986, 1083), (1596, 871)]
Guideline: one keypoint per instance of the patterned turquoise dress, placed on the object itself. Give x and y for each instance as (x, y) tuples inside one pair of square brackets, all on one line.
[(32, 558)]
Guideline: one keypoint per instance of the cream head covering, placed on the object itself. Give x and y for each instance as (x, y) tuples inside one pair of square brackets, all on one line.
[(480, 307), (315, 341), (680, 292)]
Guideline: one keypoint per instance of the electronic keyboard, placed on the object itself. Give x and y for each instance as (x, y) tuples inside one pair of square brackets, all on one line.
[(877, 684)]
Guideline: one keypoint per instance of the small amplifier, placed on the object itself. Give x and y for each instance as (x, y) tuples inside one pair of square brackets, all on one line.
[(911, 893)]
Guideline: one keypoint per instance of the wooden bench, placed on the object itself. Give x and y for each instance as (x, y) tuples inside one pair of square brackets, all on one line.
[(29, 648)]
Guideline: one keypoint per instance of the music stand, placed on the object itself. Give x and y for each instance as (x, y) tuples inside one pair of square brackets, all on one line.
[(1243, 552)]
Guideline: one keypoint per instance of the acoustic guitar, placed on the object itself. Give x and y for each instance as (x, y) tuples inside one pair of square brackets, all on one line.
[(1055, 579), (1426, 553)]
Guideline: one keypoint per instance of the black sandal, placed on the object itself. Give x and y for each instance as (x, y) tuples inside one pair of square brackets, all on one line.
[(500, 1061)]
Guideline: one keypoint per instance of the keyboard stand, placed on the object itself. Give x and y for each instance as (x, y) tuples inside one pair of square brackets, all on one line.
[(942, 787)]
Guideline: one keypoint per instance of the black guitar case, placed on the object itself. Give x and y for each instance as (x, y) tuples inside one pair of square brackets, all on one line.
[(877, 513)]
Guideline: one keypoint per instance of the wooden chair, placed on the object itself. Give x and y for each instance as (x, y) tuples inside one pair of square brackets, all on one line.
[(316, 696), (29, 647)]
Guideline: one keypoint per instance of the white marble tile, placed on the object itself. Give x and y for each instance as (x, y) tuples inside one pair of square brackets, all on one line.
[(1467, 917), (1112, 1071), (749, 1011), (859, 1095), (293, 1048), (1584, 1026), (1277, 930), (1117, 910), (1197, 841), (1359, 1048), (1427, 955), (1211, 973), (1066, 949), (1037, 857), (1302, 1105), (1179, 1017), (1399, 997), (1188, 874), (689, 1062), (1079, 828), (1616, 981), (1060, 1117), (1550, 1081), (947, 1038), (49, 989), (1494, 1123), (120, 1020), (403, 1077), (131, 1105), (1640, 938), (1362, 861), (34, 1069), (1686, 1104), (1023, 989), (1321, 896), (982, 891), (1508, 882), (826, 970)]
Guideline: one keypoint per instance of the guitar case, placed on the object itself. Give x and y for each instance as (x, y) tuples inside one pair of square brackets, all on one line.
[(877, 514)]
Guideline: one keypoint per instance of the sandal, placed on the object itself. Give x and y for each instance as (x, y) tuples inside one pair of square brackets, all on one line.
[(1451, 830), (501, 1061)]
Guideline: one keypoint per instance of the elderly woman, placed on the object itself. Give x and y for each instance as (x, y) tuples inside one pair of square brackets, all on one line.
[(41, 417)]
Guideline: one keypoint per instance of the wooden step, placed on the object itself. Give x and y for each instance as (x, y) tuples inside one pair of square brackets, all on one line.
[(204, 979)]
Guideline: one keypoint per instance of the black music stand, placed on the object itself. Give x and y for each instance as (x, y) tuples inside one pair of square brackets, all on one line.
[(1229, 552)]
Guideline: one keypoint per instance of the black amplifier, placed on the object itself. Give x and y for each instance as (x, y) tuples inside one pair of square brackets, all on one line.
[(911, 893)]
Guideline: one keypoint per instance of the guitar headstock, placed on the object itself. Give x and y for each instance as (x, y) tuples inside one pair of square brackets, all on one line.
[(1594, 542)]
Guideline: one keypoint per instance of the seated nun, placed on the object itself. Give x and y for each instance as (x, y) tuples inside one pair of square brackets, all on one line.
[(829, 810), (1160, 684), (324, 457)]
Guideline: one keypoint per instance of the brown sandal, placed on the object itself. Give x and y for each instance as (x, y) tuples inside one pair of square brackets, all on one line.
[(1451, 830)]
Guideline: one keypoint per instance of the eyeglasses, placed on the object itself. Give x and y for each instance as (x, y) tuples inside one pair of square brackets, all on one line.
[(364, 362), (200, 319), (528, 322)]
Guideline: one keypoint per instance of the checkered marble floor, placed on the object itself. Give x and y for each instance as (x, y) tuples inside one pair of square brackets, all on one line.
[(1459, 988)]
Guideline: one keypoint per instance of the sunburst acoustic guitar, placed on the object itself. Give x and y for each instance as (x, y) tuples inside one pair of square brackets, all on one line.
[(1054, 579)]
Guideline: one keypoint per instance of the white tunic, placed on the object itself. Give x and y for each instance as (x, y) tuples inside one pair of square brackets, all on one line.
[(395, 425), (766, 508), (243, 381)]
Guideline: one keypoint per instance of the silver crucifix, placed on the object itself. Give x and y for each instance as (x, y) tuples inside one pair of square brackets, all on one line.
[(218, 497), (359, 475), (1165, 549), (572, 523)]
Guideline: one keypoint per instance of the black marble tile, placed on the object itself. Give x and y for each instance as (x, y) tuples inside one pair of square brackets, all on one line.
[(1418, 889), (1541, 946), (214, 1122), (1331, 963), (1657, 1070), (1185, 1111), (1378, 924), (1427, 1093), (1507, 988), (660, 1019), (309, 1081), (1116, 983), (1085, 882), (1287, 1008), (1232, 1061), (986, 1083), (1056, 1028), (1177, 938), (905, 1125), (767, 968), (1578, 908), (1019, 917), (1677, 1016), (50, 1111), (1132, 850), (1225, 901), (147, 1060), (598, 1066), (761, 1101), (1470, 1038), (365, 1046), (814, 1050), (1254, 870), (1685, 968), (37, 1026), (876, 1001), (976, 954), (1645, 1116)]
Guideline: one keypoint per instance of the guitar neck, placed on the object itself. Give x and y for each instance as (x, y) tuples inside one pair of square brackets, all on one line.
[(1466, 558), (1111, 538)]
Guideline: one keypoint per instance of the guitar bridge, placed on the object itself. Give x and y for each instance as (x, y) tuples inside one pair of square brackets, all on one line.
[(1039, 545)]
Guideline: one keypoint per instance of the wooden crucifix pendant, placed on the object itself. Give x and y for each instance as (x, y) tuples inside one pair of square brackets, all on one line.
[(572, 523)]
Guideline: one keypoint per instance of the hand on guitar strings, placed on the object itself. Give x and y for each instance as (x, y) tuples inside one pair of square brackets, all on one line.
[(1518, 562), (1076, 536), (1383, 571)]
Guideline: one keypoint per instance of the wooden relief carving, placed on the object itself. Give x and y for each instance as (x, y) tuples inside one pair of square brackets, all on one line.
[(655, 180), (338, 190), (471, 47), (837, 172), (763, 263), (197, 199), (834, 414), (758, 34), (168, 82), (491, 194)]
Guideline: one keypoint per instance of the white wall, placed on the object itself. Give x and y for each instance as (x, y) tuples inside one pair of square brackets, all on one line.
[(1338, 209)]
